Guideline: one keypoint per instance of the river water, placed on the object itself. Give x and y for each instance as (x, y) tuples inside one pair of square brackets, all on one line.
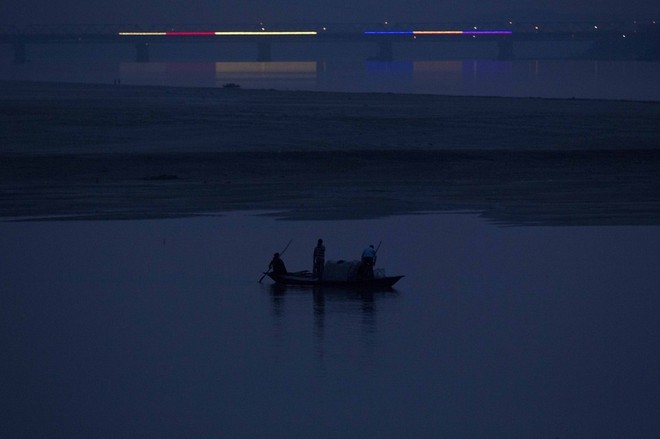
[(160, 328), (546, 78)]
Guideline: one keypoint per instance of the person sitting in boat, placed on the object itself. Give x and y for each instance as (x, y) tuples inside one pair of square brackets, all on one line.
[(277, 265), (368, 262), (318, 259)]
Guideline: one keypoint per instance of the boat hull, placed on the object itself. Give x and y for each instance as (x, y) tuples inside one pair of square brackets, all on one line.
[(306, 279)]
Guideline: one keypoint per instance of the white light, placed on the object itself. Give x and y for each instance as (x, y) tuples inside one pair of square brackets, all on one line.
[(142, 34)]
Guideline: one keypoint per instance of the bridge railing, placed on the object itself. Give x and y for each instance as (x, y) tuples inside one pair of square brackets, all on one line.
[(540, 26)]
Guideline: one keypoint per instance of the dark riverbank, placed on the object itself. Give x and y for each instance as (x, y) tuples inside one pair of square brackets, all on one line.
[(595, 187), (90, 151)]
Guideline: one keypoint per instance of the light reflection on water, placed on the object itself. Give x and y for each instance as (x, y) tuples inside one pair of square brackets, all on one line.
[(552, 79), (160, 328), (340, 318), (529, 78)]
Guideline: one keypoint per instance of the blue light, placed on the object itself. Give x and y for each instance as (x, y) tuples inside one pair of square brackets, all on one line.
[(386, 32)]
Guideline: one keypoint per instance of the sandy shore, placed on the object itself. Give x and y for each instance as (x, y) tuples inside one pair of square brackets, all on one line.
[(90, 151)]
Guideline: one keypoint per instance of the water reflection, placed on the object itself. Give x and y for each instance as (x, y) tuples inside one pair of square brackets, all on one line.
[(290, 74), (355, 311), (551, 78), (499, 332), (283, 75), (350, 300), (537, 78)]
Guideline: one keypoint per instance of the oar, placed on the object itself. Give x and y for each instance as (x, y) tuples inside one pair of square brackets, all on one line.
[(281, 253), (376, 252)]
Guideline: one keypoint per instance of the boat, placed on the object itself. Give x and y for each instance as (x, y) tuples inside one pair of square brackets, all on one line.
[(305, 278), (337, 274)]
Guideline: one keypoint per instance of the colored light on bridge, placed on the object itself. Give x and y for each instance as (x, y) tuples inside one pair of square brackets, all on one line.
[(487, 32), (260, 33), (389, 32), (189, 34), (142, 34), (215, 33), (440, 32)]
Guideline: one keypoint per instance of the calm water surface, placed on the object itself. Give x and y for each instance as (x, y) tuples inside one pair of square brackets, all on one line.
[(530, 78), (160, 329)]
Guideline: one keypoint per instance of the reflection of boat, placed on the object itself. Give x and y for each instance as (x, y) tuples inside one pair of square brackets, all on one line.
[(305, 278)]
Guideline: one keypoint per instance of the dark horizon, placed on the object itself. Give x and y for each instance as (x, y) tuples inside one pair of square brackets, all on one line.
[(33, 12)]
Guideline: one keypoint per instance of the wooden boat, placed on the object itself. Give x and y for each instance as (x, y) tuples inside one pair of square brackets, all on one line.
[(305, 278)]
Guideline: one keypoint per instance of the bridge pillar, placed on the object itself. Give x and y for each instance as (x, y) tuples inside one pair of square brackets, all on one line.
[(385, 51), (142, 52), (505, 50), (20, 53), (264, 51)]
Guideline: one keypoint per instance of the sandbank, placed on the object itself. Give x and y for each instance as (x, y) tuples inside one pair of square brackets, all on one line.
[(115, 152)]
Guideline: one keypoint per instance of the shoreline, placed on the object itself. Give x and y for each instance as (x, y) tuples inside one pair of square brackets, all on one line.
[(504, 187), (195, 88), (24, 88)]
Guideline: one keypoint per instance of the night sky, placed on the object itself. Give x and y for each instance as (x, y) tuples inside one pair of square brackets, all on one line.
[(150, 12)]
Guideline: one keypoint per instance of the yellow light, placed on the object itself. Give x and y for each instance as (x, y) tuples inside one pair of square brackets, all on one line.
[(266, 67), (219, 33), (260, 33)]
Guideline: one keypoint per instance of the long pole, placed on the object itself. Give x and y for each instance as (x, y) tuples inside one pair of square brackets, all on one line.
[(376, 252), (281, 253)]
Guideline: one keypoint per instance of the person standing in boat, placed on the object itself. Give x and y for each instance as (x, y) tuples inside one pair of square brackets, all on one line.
[(318, 259), (277, 265), (368, 262)]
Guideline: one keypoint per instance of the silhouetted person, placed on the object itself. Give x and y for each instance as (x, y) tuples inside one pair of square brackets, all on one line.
[(368, 262), (318, 259), (277, 265)]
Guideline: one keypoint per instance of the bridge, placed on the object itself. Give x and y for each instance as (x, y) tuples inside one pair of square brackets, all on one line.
[(632, 40)]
